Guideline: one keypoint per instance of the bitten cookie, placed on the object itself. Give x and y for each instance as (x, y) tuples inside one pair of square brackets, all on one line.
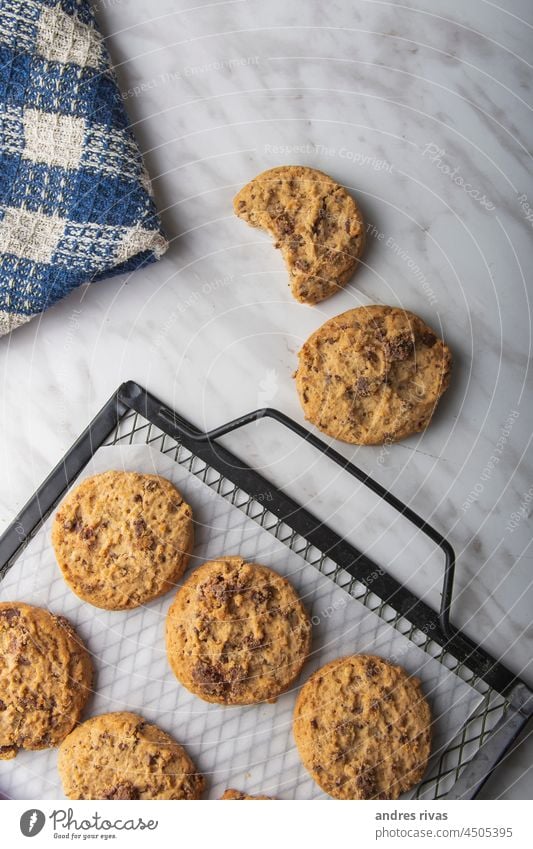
[(372, 375), (238, 795), (121, 756), (363, 728), (45, 678), (121, 539), (237, 633), (314, 221)]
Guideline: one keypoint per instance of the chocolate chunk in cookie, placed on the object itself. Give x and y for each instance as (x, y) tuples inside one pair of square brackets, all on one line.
[(45, 678), (372, 375), (237, 633), (363, 728), (238, 795), (315, 223), (121, 756), (122, 539)]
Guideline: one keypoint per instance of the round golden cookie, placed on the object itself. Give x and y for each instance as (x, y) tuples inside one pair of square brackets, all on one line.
[(238, 795), (237, 634), (122, 539), (314, 221), (45, 678), (121, 756), (363, 728), (372, 375)]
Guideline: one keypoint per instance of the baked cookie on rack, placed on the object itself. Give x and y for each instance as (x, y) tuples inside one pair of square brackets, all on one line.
[(122, 539), (237, 633), (238, 795), (45, 678), (121, 756), (363, 728), (372, 375), (315, 223)]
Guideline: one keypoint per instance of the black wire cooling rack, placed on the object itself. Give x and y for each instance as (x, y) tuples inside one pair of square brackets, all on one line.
[(134, 416)]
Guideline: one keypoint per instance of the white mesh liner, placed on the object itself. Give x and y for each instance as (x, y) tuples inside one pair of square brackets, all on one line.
[(250, 748)]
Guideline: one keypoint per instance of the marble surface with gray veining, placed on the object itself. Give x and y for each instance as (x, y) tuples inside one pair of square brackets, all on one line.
[(422, 110)]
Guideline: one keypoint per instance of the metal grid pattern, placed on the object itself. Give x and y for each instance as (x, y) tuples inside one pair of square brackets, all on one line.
[(133, 429)]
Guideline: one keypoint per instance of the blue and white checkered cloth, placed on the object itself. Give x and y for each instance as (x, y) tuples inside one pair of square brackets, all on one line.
[(75, 199)]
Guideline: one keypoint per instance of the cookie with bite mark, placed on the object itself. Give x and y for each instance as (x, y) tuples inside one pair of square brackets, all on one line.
[(315, 223)]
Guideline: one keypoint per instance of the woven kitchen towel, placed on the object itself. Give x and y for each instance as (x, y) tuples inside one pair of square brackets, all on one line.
[(75, 199)]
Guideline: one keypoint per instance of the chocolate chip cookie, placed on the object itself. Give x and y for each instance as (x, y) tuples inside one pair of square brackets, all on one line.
[(121, 756), (237, 633), (238, 795), (315, 223), (372, 375), (45, 678), (122, 539), (363, 728)]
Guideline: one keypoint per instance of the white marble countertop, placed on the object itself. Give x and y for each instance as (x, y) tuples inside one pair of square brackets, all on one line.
[(421, 109)]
